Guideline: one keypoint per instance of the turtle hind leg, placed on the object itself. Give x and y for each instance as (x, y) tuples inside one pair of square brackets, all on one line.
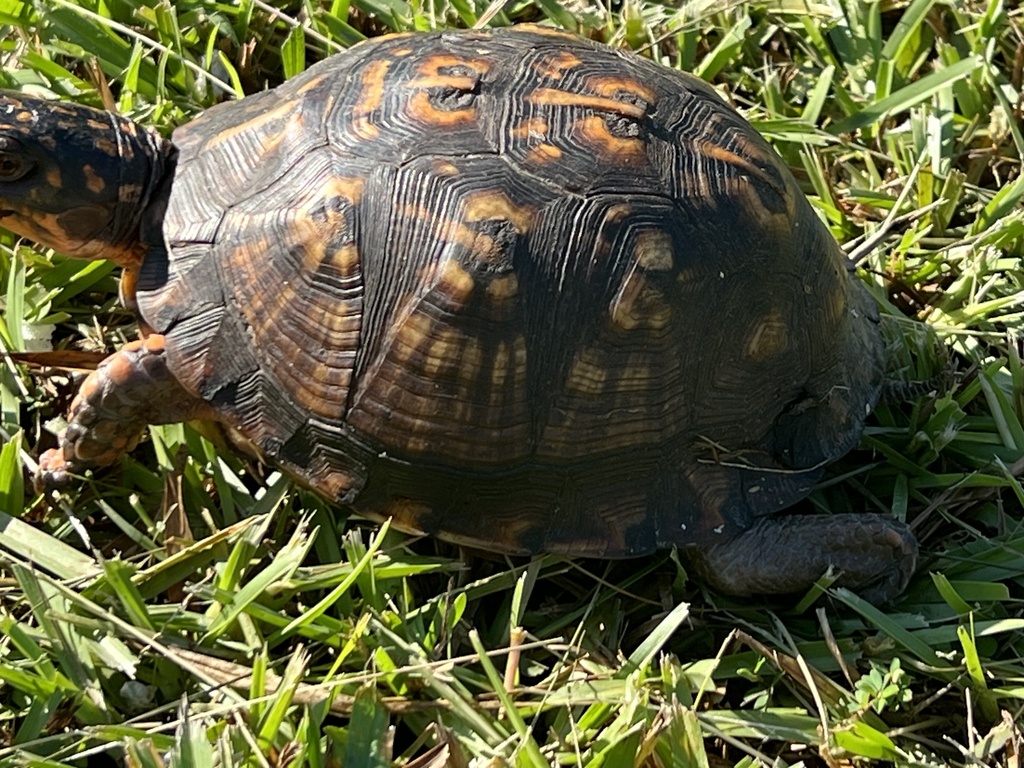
[(873, 554), (128, 391)]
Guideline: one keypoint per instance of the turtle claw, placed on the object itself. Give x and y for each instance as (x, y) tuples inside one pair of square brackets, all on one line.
[(54, 473)]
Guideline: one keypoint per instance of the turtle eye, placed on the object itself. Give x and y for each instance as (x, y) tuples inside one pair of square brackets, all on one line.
[(12, 166)]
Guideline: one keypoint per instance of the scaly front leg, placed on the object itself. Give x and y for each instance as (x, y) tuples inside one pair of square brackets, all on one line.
[(128, 391)]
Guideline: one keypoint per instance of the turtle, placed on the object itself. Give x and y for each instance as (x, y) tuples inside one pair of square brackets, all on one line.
[(512, 288)]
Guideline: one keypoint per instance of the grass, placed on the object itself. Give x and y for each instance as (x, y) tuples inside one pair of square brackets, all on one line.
[(189, 609)]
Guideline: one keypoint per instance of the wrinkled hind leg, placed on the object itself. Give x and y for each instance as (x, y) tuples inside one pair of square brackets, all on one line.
[(129, 390), (871, 553)]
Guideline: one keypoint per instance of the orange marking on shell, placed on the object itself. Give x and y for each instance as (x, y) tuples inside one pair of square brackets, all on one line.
[(835, 301), (441, 353), (588, 374), (503, 287), (769, 337), (555, 66), (345, 260), (447, 230), (593, 131), (53, 178), (618, 212), (721, 154), (348, 188), (508, 365), (494, 204), (471, 361), (539, 29), (431, 67), (640, 304), (611, 87), (285, 114), (389, 37), (97, 125), (370, 98), (531, 128), (444, 168), (432, 78), (455, 282), (543, 153), (23, 117), (316, 82), (412, 334), (422, 110), (559, 98)]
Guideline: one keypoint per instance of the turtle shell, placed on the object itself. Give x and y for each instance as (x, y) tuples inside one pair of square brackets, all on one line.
[(513, 288)]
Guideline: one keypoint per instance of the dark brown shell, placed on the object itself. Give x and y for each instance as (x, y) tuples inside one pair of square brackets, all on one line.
[(516, 289)]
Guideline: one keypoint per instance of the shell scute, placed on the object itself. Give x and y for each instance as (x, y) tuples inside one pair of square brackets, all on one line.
[(509, 287)]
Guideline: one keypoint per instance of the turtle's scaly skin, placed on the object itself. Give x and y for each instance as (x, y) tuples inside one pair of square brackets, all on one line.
[(525, 292)]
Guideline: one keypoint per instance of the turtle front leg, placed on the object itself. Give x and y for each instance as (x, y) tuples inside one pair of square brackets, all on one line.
[(873, 554), (128, 391)]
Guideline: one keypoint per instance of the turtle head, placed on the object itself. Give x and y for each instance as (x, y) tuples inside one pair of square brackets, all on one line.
[(74, 178)]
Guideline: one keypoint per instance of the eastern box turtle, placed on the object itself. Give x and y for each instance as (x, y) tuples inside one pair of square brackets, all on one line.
[(509, 287)]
